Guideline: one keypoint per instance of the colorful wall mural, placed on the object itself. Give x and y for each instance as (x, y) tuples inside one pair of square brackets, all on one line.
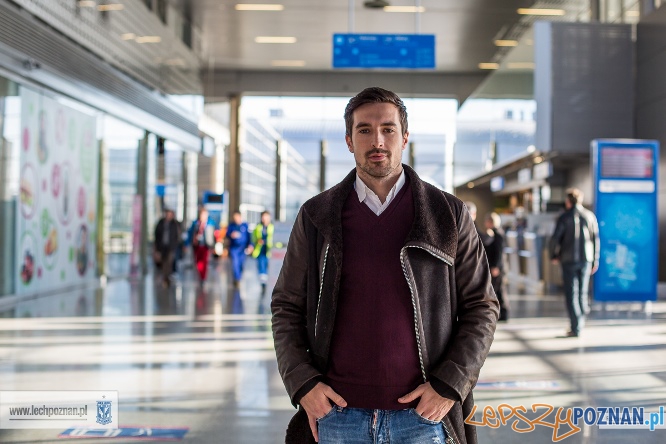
[(56, 220)]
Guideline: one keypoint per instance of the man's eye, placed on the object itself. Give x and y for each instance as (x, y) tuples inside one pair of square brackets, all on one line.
[(389, 130), (364, 131)]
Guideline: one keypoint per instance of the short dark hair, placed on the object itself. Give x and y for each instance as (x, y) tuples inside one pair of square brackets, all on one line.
[(574, 196), (374, 94), (265, 212)]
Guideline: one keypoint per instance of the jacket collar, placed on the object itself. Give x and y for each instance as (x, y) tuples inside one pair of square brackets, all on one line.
[(434, 227)]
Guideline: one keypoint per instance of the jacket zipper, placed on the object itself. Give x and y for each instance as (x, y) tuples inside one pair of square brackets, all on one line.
[(449, 437), (411, 291), (321, 288)]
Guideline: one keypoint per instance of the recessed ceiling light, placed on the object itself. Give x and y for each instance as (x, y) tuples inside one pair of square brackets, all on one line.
[(470, 184), (128, 36), (175, 62), (258, 7), (86, 4), (269, 39), (404, 9), (506, 42), (520, 65), (110, 7), (293, 63), (149, 39), (488, 65), (537, 11)]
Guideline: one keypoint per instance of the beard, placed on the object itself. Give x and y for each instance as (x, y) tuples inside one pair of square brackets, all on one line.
[(375, 169)]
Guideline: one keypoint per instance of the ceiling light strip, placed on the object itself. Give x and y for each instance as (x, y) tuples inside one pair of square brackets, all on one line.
[(538, 11), (110, 7), (258, 7), (273, 39), (506, 42), (412, 9), (288, 63)]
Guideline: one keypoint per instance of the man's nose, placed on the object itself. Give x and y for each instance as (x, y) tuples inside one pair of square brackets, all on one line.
[(378, 140)]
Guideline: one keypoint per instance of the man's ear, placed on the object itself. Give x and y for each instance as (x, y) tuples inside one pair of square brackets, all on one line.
[(350, 145), (405, 140)]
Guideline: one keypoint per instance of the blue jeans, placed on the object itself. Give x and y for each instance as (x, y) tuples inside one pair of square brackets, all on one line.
[(576, 279), (362, 426), (237, 256), (262, 268)]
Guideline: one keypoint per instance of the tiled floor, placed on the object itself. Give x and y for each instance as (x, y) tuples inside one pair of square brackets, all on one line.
[(202, 357)]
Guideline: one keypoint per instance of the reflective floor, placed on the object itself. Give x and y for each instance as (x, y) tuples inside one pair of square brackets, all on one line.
[(201, 357)]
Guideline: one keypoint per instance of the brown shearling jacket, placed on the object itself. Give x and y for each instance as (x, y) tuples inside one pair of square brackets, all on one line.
[(443, 259)]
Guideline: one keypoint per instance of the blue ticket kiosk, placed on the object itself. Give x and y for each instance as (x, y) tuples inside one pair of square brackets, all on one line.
[(625, 187)]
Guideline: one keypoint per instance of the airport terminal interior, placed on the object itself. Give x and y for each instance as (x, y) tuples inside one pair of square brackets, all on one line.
[(120, 118)]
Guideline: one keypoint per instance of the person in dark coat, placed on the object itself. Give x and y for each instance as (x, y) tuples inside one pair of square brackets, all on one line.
[(575, 245), (167, 241), (383, 311), (494, 242)]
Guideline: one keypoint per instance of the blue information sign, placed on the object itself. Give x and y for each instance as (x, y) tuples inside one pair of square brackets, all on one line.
[(625, 184), (407, 51)]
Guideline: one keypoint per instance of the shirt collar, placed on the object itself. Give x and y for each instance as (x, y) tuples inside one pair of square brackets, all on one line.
[(362, 189)]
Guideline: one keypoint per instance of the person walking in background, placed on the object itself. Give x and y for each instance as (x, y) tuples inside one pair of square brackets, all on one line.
[(201, 237), (238, 245), (494, 244), (575, 246), (262, 239), (383, 312), (167, 241)]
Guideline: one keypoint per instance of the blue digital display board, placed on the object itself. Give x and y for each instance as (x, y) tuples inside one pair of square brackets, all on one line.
[(406, 51), (625, 185)]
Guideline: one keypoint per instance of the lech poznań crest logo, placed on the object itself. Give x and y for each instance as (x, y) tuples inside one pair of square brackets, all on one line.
[(103, 412)]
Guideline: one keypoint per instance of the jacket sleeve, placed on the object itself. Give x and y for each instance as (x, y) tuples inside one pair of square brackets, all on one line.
[(477, 312), (594, 225), (556, 239), (289, 309)]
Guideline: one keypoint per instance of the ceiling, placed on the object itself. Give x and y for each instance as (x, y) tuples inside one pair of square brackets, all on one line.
[(465, 30), (465, 33)]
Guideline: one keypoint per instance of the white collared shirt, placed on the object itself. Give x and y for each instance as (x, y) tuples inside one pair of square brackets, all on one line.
[(368, 197)]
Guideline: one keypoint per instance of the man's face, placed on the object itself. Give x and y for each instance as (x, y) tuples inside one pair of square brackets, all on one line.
[(169, 215), (237, 218), (376, 140), (266, 219)]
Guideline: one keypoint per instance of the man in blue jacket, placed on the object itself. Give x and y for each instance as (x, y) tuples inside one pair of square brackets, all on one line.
[(238, 242)]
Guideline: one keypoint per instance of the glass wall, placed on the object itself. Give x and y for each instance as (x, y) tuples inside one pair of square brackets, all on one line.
[(492, 131), (303, 123), (121, 144)]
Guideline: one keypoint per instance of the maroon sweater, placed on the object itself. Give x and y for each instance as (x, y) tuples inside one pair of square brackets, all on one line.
[(374, 357)]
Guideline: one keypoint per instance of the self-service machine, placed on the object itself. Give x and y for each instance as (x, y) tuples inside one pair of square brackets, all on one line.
[(625, 188)]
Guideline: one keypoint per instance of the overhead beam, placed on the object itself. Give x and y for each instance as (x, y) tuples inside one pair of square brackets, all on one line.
[(219, 85)]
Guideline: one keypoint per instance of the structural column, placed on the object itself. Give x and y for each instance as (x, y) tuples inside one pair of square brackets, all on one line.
[(7, 212), (280, 181), (323, 152), (234, 155)]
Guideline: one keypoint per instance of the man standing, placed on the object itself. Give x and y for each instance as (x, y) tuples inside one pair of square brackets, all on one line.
[(575, 245), (262, 239), (383, 313), (167, 240), (238, 242)]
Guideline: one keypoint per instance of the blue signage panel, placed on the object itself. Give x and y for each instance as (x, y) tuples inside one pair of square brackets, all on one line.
[(407, 51), (625, 184)]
